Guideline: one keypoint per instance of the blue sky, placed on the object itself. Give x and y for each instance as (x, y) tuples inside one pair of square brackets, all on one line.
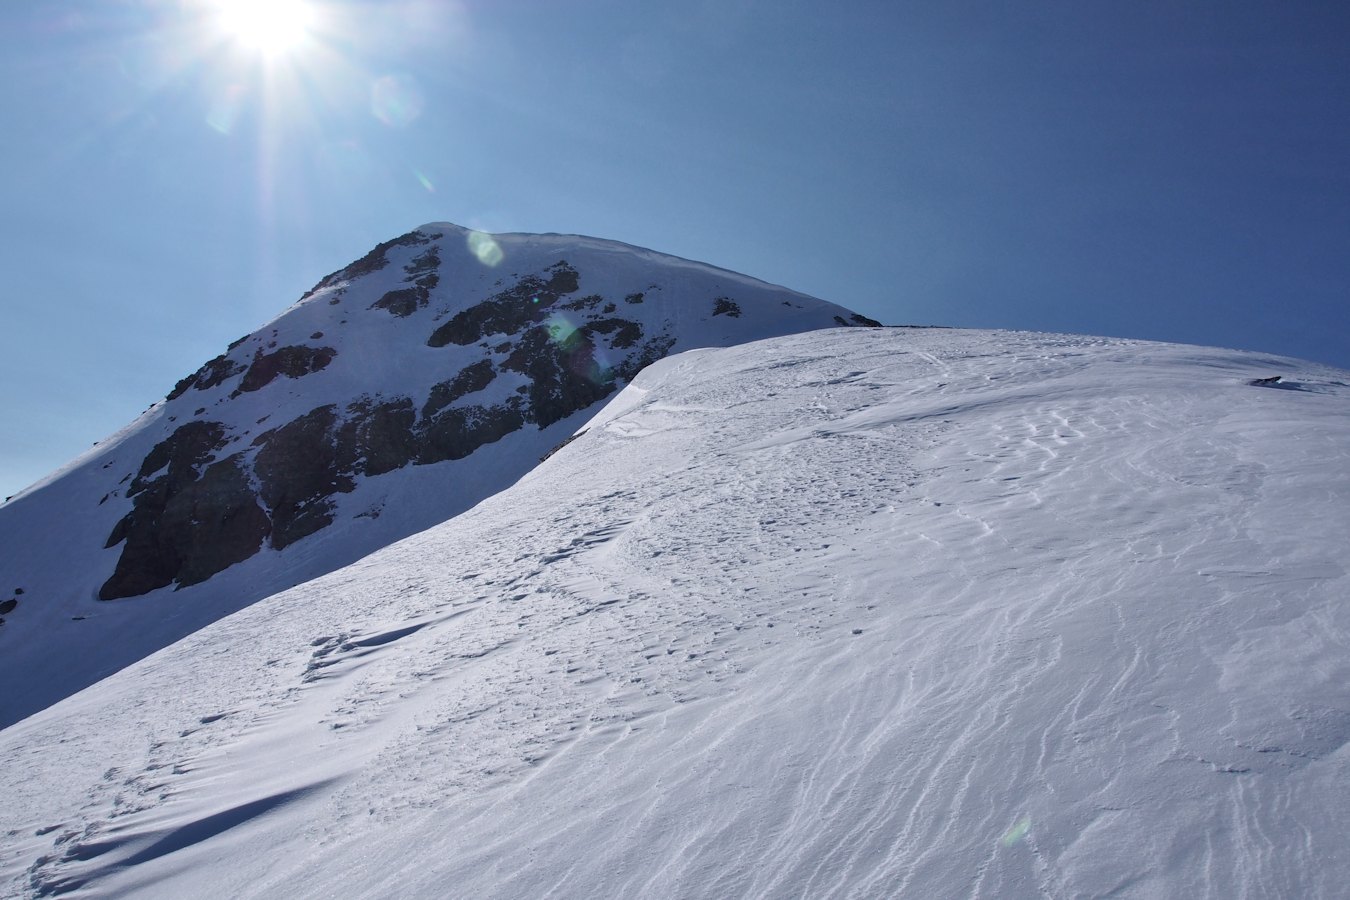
[(1165, 170)]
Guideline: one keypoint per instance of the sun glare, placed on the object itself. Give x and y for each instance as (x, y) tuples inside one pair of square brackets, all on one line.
[(271, 27)]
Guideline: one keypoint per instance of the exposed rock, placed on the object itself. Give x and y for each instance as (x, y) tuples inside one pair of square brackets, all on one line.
[(422, 275), (458, 431), (297, 472), (196, 511), (294, 362), (178, 456), (590, 301), (626, 333), (186, 524), (855, 320), (373, 261), (215, 372), (471, 378), (654, 349), (403, 302), (563, 443), (376, 437), (510, 310), (725, 306), (564, 376)]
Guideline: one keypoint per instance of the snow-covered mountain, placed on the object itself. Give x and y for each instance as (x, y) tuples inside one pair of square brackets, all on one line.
[(401, 390), (863, 613)]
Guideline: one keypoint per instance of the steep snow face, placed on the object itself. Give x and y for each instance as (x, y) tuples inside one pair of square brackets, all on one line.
[(400, 391), (848, 613)]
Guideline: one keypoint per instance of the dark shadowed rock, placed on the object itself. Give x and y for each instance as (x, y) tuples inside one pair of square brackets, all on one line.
[(292, 362), (189, 520), (422, 276), (195, 511), (215, 372), (626, 333), (564, 376), (297, 472), (403, 301), (456, 432), (508, 311), (725, 306), (471, 378), (376, 437)]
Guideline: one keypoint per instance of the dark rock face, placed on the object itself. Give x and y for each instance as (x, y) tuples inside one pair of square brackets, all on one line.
[(190, 519), (198, 509), (215, 372), (292, 362), (509, 311), (376, 437), (456, 432), (422, 276), (470, 379), (725, 306), (563, 373), (297, 472), (855, 320), (626, 333)]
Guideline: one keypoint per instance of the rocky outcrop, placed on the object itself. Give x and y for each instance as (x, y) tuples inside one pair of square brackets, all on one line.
[(524, 303), (205, 497), (855, 320), (423, 277), (725, 306), (292, 362), (471, 379), (192, 517), (215, 372)]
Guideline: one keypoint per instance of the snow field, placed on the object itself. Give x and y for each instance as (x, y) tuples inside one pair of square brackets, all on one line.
[(849, 613)]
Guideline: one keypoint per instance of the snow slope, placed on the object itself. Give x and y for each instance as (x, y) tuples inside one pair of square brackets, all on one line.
[(852, 613), (403, 389)]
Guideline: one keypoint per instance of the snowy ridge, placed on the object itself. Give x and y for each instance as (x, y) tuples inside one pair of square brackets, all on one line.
[(404, 388), (847, 613)]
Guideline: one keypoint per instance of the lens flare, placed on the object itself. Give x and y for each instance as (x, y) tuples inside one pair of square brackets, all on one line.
[(225, 111), (396, 100), (1017, 832), (425, 182), (561, 330), (481, 245)]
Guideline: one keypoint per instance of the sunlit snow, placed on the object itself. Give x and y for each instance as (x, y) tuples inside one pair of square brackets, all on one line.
[(862, 612)]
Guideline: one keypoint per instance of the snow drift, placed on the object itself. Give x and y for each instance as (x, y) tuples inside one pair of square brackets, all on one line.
[(847, 613)]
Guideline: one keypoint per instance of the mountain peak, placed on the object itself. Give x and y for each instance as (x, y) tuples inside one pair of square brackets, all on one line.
[(399, 391)]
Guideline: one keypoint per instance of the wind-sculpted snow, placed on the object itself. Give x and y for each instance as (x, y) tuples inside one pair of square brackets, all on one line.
[(846, 614), (401, 390)]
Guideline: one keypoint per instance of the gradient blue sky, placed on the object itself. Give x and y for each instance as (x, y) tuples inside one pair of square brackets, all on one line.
[(1168, 170)]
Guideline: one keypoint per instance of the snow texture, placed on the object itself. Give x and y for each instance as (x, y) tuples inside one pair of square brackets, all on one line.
[(851, 613)]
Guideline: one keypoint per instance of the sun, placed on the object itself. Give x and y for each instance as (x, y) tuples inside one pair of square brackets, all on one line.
[(271, 27)]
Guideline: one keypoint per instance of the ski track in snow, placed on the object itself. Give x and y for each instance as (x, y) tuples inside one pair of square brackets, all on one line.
[(863, 614)]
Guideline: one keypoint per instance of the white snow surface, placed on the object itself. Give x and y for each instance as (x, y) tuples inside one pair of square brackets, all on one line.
[(851, 613), (62, 638)]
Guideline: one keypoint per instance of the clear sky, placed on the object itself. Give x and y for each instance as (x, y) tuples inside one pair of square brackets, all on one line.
[(175, 175)]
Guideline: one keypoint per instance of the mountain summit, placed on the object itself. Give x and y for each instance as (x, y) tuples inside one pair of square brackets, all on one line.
[(399, 391)]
